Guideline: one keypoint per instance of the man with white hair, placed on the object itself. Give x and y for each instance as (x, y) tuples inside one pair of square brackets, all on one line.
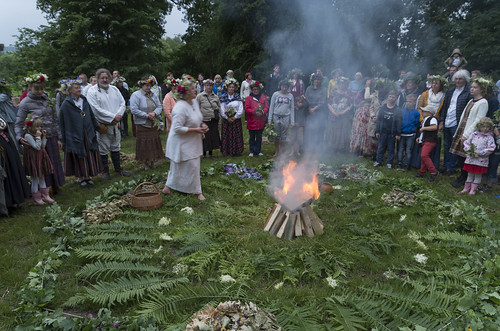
[(108, 106), (454, 104)]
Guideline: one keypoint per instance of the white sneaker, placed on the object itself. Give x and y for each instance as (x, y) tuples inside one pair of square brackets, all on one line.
[(251, 154), (376, 164), (260, 154), (389, 166)]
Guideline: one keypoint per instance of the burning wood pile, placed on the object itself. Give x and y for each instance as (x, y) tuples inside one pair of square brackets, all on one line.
[(292, 216)]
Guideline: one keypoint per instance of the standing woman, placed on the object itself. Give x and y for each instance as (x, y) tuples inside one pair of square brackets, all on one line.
[(256, 108), (317, 115), (210, 109), (169, 101), (231, 112), (184, 144), (360, 143), (146, 109), (476, 109), (297, 87), (78, 128), (245, 86), (38, 103), (341, 106), (218, 85)]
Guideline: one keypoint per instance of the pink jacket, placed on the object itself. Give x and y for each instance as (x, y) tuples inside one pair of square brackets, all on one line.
[(251, 105), (484, 144), (168, 105)]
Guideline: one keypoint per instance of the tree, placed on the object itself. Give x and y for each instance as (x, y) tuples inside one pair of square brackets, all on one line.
[(82, 36)]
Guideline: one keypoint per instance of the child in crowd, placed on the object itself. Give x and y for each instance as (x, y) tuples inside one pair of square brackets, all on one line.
[(388, 129), (428, 139), (410, 121), (478, 147), (281, 114), (297, 132), (36, 161), (494, 159)]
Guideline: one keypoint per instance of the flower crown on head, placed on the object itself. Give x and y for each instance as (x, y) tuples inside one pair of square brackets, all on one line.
[(295, 71), (66, 83), (443, 81), (230, 81), (36, 78), (30, 119), (116, 80), (316, 75), (483, 82), (149, 80), (208, 81), (183, 86), (256, 84), (485, 121), (342, 79)]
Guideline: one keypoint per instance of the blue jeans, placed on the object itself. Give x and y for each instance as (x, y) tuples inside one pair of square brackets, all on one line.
[(493, 168), (255, 141), (386, 142), (450, 160), (405, 146)]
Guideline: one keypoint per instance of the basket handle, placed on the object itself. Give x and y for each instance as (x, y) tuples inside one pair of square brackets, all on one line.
[(143, 183)]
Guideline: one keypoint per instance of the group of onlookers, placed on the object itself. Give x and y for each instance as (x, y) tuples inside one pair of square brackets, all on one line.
[(406, 121)]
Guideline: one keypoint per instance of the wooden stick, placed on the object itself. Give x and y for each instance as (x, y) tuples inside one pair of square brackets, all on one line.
[(283, 225), (298, 225), (277, 223), (272, 216), (290, 227), (308, 229), (316, 222)]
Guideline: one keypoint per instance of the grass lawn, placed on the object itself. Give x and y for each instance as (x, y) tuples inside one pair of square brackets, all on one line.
[(386, 260)]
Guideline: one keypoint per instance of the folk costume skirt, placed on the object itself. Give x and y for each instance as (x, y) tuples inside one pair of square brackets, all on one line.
[(57, 178), (232, 137), (148, 144), (86, 166), (184, 176)]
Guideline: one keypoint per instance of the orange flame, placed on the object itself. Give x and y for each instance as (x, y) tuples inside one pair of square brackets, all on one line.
[(299, 185)]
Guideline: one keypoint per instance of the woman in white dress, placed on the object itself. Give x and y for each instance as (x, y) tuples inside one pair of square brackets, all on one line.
[(184, 143)]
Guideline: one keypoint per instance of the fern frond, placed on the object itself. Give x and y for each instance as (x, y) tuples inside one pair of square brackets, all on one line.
[(202, 262), (135, 237), (105, 269), (343, 315), (193, 243), (121, 254), (123, 289), (120, 227), (299, 318)]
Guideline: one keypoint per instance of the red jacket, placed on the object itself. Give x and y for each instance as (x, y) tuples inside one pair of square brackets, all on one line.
[(251, 105)]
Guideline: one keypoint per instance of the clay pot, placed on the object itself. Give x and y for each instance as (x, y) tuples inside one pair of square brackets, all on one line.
[(326, 187)]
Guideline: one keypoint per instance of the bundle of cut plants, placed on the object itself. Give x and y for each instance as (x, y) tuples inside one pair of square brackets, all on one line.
[(233, 315)]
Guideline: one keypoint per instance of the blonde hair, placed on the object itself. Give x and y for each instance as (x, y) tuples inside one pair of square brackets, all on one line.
[(36, 123)]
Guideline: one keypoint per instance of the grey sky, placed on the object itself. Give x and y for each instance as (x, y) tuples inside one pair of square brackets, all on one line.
[(24, 14)]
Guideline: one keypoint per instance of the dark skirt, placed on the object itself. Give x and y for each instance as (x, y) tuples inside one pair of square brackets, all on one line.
[(148, 144), (212, 139), (36, 162), (16, 186), (232, 137), (57, 178), (86, 166)]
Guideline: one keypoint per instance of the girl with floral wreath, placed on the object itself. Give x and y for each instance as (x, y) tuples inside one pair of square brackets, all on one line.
[(231, 112), (169, 101), (37, 103), (256, 109)]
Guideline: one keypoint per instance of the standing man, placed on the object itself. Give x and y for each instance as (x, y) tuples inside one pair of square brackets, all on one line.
[(108, 106), (454, 104), (116, 74), (83, 78), (273, 81)]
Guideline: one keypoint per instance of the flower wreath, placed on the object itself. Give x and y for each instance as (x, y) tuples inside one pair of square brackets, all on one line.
[(485, 121), (443, 81), (208, 81), (295, 71), (172, 82), (116, 80), (230, 81), (256, 84), (36, 78), (30, 119), (483, 82), (185, 83), (149, 80), (314, 76), (66, 83), (342, 79)]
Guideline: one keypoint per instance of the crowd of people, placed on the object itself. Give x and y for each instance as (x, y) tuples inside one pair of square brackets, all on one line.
[(402, 123)]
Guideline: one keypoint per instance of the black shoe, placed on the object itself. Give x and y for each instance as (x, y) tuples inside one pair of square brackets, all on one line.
[(418, 175), (432, 177), (106, 175), (123, 173), (458, 183)]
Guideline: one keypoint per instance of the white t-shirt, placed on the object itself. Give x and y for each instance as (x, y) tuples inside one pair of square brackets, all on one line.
[(434, 121), (451, 115)]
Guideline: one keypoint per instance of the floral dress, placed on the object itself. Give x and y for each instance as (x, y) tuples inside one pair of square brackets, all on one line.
[(360, 143)]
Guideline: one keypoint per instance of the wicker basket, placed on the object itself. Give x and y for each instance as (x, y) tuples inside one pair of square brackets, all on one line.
[(146, 200)]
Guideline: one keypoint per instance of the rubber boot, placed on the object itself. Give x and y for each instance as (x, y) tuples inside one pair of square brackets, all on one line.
[(115, 158), (45, 195), (473, 188), (37, 198), (105, 164), (466, 188)]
